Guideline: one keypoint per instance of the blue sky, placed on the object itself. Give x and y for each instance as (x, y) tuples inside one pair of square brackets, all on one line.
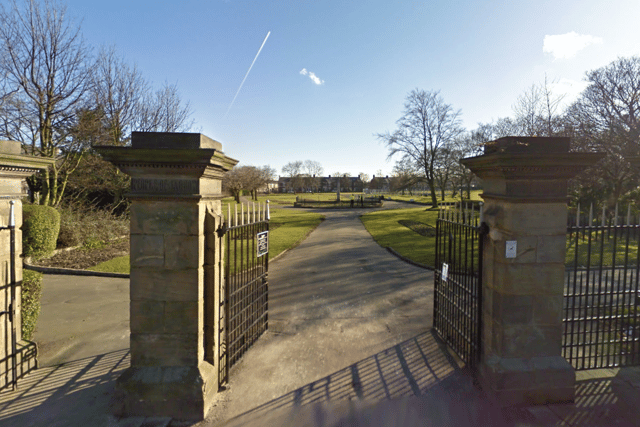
[(360, 59)]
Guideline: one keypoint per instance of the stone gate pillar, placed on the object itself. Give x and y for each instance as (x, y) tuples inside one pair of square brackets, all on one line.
[(14, 169), (525, 195), (175, 190)]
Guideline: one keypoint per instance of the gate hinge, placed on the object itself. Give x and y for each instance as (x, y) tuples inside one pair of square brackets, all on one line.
[(222, 230), (483, 229), (10, 313)]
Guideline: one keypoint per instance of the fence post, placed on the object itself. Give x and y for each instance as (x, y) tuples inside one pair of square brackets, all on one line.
[(175, 187), (525, 206)]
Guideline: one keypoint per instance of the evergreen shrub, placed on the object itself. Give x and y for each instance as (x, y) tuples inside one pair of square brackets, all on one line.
[(40, 228), (31, 293)]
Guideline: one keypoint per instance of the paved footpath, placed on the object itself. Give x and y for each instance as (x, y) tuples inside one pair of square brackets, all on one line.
[(349, 343)]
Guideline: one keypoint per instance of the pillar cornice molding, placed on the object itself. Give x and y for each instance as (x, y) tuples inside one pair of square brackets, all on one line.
[(194, 163), (539, 166), (23, 165), (529, 178)]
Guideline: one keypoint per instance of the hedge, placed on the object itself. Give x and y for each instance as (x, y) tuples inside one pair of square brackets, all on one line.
[(40, 228), (31, 292)]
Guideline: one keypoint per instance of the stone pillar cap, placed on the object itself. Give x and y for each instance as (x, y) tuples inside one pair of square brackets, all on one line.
[(531, 165), (173, 141), (527, 144), (11, 157), (188, 154)]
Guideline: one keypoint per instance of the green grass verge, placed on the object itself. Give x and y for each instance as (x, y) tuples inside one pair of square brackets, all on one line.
[(115, 265), (387, 230), (290, 227), (602, 251)]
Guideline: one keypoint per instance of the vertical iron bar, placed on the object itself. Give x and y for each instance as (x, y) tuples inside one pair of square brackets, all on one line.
[(12, 309), (575, 291)]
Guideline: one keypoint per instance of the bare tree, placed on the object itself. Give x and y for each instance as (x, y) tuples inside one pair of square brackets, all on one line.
[(246, 178), (537, 111), (445, 166), (163, 111), (404, 176), (364, 177), (314, 170), (294, 170), (468, 145), (47, 69), (234, 182), (426, 127), (606, 118), (118, 90)]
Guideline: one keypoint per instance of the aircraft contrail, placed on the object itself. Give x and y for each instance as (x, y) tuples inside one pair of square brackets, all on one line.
[(245, 76)]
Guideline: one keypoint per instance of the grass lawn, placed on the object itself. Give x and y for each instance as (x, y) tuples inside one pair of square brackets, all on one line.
[(387, 229), (288, 228), (603, 249), (115, 265)]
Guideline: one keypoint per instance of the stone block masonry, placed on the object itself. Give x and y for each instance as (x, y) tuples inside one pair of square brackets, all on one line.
[(525, 195), (176, 189)]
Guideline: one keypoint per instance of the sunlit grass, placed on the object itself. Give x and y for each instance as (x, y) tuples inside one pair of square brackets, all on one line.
[(386, 229), (115, 265)]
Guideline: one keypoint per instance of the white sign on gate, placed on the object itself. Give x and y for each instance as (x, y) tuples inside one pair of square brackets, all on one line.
[(445, 271), (263, 243)]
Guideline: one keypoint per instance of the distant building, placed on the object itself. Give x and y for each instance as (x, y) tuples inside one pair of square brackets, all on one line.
[(324, 184), (269, 187)]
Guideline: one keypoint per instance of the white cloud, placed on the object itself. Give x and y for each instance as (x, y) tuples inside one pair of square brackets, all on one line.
[(312, 76), (567, 45)]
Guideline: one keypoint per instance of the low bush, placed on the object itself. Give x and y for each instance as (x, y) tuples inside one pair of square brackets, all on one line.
[(40, 228), (92, 228), (31, 293)]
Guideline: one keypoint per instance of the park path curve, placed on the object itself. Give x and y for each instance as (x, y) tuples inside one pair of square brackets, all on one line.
[(335, 300)]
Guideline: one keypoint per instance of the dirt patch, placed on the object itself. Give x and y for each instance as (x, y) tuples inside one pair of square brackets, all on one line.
[(419, 227), (83, 258)]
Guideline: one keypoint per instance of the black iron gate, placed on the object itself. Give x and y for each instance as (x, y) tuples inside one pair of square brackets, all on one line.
[(244, 292), (458, 280), (602, 291), (8, 313)]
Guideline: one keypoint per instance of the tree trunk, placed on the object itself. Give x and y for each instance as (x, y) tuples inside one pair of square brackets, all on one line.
[(434, 197), (44, 193)]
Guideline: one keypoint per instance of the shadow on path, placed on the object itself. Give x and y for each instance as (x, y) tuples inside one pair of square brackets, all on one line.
[(415, 382), (76, 393)]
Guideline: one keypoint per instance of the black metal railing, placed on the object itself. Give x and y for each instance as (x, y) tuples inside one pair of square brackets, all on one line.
[(602, 292), (346, 202), (457, 305), (246, 286)]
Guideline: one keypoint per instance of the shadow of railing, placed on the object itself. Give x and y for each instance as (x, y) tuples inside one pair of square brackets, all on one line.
[(603, 401), (416, 367), (65, 394)]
